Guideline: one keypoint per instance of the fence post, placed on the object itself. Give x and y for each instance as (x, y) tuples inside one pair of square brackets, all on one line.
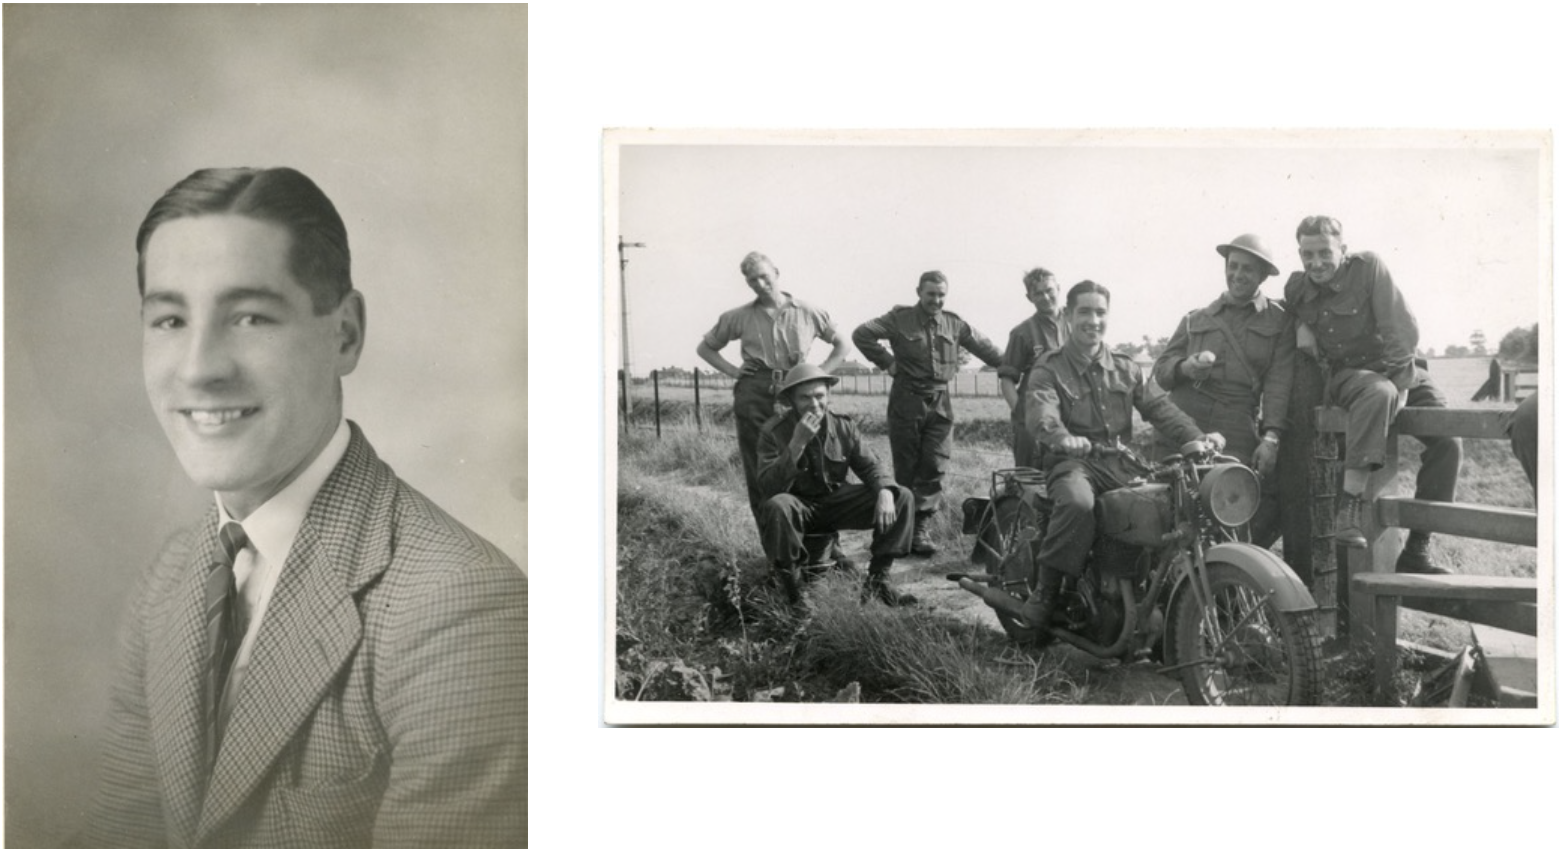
[(699, 422), (623, 402), (1308, 470), (656, 400), (1323, 477), (1383, 544)]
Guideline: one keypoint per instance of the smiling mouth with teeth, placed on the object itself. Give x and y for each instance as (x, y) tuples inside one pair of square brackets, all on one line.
[(217, 416)]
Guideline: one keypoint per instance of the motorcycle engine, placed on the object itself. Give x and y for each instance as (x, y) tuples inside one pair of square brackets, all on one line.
[(1112, 559)]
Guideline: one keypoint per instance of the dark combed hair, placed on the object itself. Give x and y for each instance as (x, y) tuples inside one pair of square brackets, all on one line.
[(1314, 226), (319, 258), (932, 276), (1087, 286)]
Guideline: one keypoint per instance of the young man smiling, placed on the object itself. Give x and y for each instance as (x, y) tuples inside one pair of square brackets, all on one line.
[(1355, 322), (1079, 395), (326, 658)]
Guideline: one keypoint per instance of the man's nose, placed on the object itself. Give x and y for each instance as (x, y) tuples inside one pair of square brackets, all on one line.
[(207, 357)]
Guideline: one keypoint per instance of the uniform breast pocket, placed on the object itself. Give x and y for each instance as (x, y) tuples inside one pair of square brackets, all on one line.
[(1204, 334), (946, 347), (1260, 345), (835, 463)]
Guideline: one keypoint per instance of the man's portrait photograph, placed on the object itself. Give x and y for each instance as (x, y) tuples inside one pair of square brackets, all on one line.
[(265, 426)]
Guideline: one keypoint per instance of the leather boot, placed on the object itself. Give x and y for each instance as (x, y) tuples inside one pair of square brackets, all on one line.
[(1037, 609), (1416, 558), (1348, 524), (921, 542), (877, 585)]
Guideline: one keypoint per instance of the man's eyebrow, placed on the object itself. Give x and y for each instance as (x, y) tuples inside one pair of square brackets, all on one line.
[(247, 294), (161, 297), (227, 297)]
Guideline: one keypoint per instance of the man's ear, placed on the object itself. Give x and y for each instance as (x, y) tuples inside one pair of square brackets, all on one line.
[(352, 324)]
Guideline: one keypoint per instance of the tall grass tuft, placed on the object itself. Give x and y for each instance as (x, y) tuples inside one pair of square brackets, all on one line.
[(913, 656)]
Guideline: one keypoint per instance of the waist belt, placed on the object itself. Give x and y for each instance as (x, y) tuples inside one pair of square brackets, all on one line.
[(771, 378)]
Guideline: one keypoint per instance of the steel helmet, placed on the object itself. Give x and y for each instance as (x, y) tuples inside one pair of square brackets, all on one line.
[(804, 373), (1254, 246)]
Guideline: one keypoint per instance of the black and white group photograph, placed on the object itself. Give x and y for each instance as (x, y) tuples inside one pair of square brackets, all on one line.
[(265, 426), (1132, 426)]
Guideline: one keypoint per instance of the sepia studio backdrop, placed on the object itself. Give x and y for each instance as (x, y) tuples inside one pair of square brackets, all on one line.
[(413, 121)]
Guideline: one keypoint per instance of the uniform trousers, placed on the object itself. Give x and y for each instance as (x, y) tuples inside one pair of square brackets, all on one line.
[(921, 430), (1372, 402), (1072, 485), (786, 518)]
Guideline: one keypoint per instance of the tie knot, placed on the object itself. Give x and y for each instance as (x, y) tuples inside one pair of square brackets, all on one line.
[(233, 539)]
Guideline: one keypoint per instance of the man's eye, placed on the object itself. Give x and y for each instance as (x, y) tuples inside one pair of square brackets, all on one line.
[(166, 323), (252, 319)]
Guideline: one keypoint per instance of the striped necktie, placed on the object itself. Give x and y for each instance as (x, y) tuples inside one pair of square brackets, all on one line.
[(222, 629)]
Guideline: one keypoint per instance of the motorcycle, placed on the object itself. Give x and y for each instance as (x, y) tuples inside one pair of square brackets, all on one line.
[(1169, 574)]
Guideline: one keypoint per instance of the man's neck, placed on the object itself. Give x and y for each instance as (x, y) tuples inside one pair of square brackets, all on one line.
[(1089, 353), (776, 302)]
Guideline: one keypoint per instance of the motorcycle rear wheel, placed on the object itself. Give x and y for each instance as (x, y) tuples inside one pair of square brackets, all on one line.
[(1008, 537), (1268, 657)]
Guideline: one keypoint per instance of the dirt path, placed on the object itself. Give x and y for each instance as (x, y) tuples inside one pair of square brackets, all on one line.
[(1134, 683)]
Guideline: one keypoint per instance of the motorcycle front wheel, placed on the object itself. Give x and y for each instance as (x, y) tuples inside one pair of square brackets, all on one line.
[(1246, 652)]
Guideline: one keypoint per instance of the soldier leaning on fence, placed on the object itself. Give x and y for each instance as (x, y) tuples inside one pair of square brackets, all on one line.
[(775, 331), (1041, 333), (1229, 367), (923, 355), (1355, 321), (1080, 395)]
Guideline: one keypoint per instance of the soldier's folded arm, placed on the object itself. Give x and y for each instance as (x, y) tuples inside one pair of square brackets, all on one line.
[(866, 338)]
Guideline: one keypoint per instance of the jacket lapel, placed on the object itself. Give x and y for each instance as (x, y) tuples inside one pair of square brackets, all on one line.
[(176, 667), (312, 627)]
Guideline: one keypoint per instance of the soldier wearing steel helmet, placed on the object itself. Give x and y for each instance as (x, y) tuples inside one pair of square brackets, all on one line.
[(1229, 366), (804, 457)]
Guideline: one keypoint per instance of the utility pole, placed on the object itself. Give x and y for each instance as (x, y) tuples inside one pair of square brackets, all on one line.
[(623, 300)]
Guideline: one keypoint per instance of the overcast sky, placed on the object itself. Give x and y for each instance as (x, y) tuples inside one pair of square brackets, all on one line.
[(852, 226)]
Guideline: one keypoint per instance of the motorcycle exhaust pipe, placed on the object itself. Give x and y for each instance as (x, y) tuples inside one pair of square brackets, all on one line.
[(995, 598), (1130, 619)]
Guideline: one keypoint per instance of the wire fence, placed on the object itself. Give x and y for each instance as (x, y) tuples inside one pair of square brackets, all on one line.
[(982, 383)]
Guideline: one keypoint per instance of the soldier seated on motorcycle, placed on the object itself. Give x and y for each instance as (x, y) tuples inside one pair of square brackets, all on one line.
[(1079, 395), (804, 456)]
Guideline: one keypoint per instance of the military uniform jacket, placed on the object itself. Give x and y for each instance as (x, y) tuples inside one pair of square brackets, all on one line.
[(385, 703), (1360, 318), (1257, 381), (821, 469), (923, 348), (1069, 393)]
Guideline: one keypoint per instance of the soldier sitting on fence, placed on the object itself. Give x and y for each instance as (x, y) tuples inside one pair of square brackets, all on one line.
[(1356, 323), (804, 456)]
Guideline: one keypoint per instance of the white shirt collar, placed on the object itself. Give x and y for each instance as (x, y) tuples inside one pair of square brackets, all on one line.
[(272, 527)]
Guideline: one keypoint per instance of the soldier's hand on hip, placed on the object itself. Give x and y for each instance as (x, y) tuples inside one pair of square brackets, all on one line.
[(890, 370)]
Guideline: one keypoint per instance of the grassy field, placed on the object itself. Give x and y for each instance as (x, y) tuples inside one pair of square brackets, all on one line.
[(697, 620)]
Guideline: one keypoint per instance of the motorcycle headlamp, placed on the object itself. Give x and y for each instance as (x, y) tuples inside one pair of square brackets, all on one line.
[(1229, 493)]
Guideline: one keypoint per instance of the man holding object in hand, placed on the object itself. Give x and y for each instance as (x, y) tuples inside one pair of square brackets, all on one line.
[(804, 456)]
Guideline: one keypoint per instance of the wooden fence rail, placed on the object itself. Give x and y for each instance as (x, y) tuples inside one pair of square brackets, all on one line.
[(1368, 605)]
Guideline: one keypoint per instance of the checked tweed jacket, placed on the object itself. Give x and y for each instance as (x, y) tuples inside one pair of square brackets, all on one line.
[(385, 703)]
